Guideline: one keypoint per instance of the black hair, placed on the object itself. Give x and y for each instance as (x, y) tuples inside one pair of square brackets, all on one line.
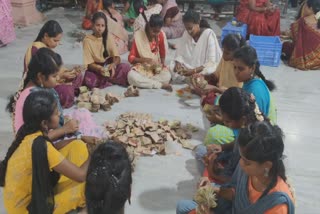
[(237, 103), (263, 142), (194, 17), (46, 62), (315, 5), (233, 41), (95, 17), (106, 5), (139, 8), (52, 28), (109, 179), (38, 107), (155, 21), (248, 56)]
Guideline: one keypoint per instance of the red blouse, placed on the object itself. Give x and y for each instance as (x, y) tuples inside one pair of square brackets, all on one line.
[(155, 48)]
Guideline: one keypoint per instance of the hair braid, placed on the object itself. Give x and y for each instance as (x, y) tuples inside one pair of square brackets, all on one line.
[(271, 86), (25, 130)]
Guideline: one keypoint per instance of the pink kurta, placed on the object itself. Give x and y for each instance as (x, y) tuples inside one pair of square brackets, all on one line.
[(7, 33)]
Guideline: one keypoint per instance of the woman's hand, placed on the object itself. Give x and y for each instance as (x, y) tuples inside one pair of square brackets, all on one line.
[(150, 61), (204, 181), (71, 126), (112, 68), (188, 72), (69, 75), (90, 140)]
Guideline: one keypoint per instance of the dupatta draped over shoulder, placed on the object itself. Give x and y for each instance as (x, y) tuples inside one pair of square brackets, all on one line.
[(205, 52), (242, 204), (93, 49)]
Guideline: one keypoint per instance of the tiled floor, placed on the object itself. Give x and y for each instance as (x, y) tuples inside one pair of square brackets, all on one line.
[(162, 180)]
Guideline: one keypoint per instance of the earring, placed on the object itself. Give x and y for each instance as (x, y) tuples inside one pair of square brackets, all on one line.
[(41, 85), (266, 172)]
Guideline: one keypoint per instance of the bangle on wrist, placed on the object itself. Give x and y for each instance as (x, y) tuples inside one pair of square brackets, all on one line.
[(79, 136)]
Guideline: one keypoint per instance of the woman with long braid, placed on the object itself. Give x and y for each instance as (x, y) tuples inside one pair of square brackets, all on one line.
[(247, 71), (32, 166), (101, 57)]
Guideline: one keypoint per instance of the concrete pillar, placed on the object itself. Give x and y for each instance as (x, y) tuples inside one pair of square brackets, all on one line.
[(25, 12)]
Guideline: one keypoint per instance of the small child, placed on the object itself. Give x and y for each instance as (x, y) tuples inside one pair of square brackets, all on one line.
[(224, 76), (109, 179)]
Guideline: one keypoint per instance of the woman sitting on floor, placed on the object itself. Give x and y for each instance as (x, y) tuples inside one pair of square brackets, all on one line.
[(148, 53), (30, 172), (247, 71), (101, 57), (224, 76), (173, 24), (116, 26), (130, 12), (259, 184), (109, 179), (152, 8), (43, 70), (303, 52), (261, 16), (92, 7), (198, 50), (68, 81)]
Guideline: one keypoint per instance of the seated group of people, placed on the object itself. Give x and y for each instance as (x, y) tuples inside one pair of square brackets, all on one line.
[(242, 153)]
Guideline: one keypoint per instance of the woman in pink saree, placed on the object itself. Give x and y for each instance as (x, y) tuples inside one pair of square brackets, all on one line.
[(173, 24), (7, 33), (116, 26)]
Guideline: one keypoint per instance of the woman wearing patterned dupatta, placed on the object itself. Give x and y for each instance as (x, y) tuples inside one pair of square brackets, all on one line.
[(69, 80), (116, 26), (173, 24), (7, 33), (148, 54), (304, 50)]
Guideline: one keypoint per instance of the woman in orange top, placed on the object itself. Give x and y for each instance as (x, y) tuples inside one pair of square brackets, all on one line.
[(260, 179)]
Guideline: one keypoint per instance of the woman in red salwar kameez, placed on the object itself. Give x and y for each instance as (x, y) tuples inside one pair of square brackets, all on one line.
[(262, 18)]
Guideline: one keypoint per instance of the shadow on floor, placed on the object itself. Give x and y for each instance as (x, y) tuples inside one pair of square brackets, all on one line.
[(166, 198)]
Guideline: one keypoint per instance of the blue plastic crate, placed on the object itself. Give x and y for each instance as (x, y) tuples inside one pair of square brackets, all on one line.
[(230, 29), (268, 49)]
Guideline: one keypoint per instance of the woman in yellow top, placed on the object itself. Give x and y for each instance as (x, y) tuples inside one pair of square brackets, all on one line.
[(69, 80), (31, 169), (102, 58)]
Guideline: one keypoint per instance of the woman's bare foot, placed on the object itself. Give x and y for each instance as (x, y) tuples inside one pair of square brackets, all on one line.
[(172, 46), (167, 87)]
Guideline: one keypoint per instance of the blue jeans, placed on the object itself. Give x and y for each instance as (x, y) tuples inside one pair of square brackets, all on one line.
[(185, 206)]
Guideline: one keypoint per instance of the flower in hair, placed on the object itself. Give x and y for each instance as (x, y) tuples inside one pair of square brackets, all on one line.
[(258, 113), (252, 98), (317, 15), (141, 10)]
